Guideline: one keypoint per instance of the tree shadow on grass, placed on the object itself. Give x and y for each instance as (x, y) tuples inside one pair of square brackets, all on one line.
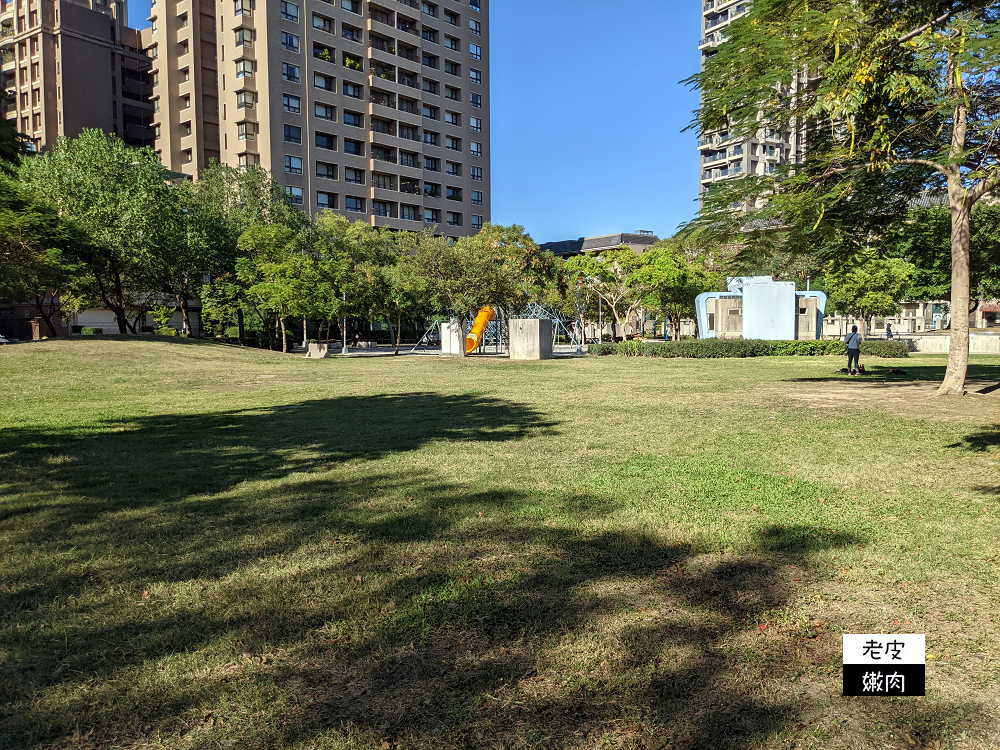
[(982, 441), (909, 373), (158, 588)]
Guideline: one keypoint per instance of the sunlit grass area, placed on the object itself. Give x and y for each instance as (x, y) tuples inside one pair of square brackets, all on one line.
[(203, 546)]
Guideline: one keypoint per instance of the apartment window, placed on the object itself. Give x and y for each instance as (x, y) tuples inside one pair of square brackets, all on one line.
[(474, 4), (432, 139), (156, 105), (475, 27), (431, 164), (476, 198), (453, 194), (351, 33), (452, 68), (476, 173), (293, 164), (408, 105), (294, 194), (429, 61), (326, 112), (407, 159), (245, 99), (246, 131), (244, 68), (476, 149), (452, 94), (247, 160), (408, 213), (326, 200), (293, 134), (431, 113), (322, 52), (156, 131), (454, 169), (185, 126), (327, 141), (453, 144), (327, 83), (432, 190), (356, 205), (242, 7), (408, 185), (431, 87), (352, 62), (185, 74), (476, 124), (290, 72), (289, 42), (184, 48), (291, 103), (476, 100), (432, 216), (244, 37), (452, 43), (453, 118), (354, 147), (476, 76), (188, 157), (388, 127), (186, 102), (182, 21), (289, 11), (385, 209), (477, 222), (429, 35), (323, 23), (382, 153), (453, 18), (353, 90), (326, 171), (476, 52), (408, 132), (454, 219), (354, 176), (354, 6), (354, 119), (429, 9)]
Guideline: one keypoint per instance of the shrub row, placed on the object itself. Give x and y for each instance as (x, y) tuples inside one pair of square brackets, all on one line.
[(729, 348), (91, 331)]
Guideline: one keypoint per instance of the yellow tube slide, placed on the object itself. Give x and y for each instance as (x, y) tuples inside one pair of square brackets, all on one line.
[(475, 338)]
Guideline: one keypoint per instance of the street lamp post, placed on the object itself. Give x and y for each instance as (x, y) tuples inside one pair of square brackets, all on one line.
[(343, 328)]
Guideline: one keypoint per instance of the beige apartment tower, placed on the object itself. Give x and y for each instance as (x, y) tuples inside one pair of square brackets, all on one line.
[(722, 156), (70, 65), (377, 110)]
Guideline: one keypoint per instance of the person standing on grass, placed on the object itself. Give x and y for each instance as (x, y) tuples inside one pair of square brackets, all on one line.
[(853, 341), (888, 331)]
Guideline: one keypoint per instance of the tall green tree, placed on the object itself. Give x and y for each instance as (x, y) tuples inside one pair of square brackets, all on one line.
[(119, 198), (615, 276), (675, 274), (12, 143), (870, 286), (892, 98)]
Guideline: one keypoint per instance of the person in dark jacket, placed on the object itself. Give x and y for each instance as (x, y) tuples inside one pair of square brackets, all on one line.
[(853, 341)]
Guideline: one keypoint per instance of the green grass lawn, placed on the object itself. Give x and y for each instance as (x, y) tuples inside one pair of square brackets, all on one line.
[(202, 546)]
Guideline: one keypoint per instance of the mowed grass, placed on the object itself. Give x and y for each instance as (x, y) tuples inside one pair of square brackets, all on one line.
[(202, 547)]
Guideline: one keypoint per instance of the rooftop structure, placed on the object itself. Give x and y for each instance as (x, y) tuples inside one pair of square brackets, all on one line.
[(640, 242)]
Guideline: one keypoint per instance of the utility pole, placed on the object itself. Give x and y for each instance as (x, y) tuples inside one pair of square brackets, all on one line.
[(343, 328)]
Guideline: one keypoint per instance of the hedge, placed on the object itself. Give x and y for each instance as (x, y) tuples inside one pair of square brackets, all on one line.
[(91, 331), (730, 348)]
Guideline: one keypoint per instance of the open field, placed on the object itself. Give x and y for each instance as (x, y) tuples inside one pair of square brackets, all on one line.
[(203, 547)]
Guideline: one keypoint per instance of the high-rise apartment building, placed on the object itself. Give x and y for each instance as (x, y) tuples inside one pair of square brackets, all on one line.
[(373, 109), (73, 64), (723, 156)]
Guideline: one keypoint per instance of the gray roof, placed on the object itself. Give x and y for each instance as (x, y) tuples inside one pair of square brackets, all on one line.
[(567, 248)]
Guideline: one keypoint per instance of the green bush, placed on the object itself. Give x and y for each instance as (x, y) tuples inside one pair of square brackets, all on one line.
[(91, 331), (734, 348)]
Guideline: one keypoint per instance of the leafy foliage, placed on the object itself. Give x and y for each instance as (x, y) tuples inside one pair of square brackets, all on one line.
[(871, 286), (740, 348)]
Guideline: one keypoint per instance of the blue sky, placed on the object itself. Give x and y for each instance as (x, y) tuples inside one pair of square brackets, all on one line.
[(587, 114)]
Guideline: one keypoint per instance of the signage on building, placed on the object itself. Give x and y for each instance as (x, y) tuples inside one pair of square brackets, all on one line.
[(884, 665)]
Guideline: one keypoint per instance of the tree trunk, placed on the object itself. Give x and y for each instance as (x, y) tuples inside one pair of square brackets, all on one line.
[(399, 328), (45, 315), (284, 336), (958, 350), (184, 304), (240, 325)]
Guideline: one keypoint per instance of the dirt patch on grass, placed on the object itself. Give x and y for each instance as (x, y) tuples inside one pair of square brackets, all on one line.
[(905, 399)]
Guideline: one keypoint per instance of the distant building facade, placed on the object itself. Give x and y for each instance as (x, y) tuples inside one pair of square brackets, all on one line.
[(638, 241), (74, 64)]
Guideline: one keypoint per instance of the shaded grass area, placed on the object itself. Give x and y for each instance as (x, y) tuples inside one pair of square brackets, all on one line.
[(209, 547)]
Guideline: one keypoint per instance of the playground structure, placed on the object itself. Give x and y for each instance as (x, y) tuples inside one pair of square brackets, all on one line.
[(475, 337), (485, 332)]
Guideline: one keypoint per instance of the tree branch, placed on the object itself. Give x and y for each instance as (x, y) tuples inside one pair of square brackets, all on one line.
[(928, 26)]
